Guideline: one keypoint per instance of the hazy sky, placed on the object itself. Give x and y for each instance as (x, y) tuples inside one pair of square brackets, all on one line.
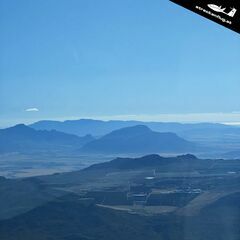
[(128, 59)]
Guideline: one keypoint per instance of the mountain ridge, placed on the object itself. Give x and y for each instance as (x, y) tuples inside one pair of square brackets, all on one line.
[(151, 160), (21, 138), (98, 127), (138, 139)]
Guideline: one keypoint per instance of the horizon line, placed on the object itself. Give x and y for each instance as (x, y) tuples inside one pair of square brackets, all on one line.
[(232, 118)]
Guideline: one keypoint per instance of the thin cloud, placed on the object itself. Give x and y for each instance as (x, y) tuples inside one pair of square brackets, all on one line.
[(32, 110)]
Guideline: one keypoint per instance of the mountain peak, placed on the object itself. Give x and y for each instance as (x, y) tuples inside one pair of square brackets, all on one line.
[(19, 128), (187, 156), (21, 125), (138, 129)]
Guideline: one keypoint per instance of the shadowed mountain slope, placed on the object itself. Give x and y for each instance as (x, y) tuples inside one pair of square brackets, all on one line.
[(74, 220), (21, 195)]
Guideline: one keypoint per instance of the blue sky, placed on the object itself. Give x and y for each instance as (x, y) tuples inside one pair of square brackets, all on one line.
[(122, 59)]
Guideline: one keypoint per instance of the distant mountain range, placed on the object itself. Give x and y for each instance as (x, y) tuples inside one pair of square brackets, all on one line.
[(214, 137), (22, 138), (99, 128), (208, 138), (138, 139)]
